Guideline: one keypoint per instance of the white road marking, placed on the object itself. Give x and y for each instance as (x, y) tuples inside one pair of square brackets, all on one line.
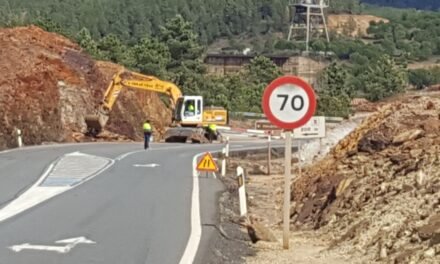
[(152, 165), (196, 227), (124, 155), (73, 168), (31, 147), (37, 194), (71, 243)]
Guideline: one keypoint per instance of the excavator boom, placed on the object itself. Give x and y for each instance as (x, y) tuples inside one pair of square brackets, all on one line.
[(128, 79)]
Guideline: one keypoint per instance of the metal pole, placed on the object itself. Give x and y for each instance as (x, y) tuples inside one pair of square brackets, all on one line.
[(320, 147), (299, 159), (290, 33), (292, 17), (325, 24), (287, 180), (308, 29), (269, 154)]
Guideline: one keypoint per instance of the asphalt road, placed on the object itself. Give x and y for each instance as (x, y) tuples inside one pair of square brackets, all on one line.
[(125, 214)]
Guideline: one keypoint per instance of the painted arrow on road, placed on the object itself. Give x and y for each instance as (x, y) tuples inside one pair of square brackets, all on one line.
[(152, 165), (71, 243)]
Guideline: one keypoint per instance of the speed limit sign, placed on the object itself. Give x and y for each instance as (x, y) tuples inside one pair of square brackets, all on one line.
[(289, 102)]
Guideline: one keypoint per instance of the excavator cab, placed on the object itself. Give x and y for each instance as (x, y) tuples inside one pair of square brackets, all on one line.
[(189, 111)]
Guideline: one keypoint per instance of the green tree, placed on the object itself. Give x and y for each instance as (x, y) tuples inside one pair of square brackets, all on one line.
[(150, 57), (111, 48), (262, 70), (50, 25), (319, 45), (384, 78), (422, 78), (181, 41), (185, 66), (336, 106), (86, 42), (334, 80), (335, 91)]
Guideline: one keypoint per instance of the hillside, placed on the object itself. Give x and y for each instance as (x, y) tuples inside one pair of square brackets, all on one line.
[(131, 20), (419, 4), (48, 85)]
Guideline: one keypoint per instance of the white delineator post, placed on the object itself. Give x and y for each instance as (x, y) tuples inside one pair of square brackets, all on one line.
[(19, 139), (287, 180), (227, 147), (241, 191), (224, 162)]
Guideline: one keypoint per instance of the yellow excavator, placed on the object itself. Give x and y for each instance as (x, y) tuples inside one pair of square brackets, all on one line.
[(189, 120)]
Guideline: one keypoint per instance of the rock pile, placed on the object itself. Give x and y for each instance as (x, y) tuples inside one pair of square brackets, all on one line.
[(378, 191)]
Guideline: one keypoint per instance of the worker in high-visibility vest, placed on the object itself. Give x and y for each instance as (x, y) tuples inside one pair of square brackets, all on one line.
[(212, 132), (147, 133), (190, 110)]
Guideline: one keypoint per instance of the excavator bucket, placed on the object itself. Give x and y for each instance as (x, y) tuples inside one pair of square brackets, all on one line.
[(93, 124), (185, 134)]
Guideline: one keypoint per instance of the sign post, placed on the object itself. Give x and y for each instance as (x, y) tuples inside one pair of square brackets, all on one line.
[(269, 153), (288, 102)]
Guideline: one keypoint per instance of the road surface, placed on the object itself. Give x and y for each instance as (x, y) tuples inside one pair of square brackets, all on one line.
[(136, 208)]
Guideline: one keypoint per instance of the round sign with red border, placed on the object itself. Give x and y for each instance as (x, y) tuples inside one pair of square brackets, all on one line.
[(289, 102)]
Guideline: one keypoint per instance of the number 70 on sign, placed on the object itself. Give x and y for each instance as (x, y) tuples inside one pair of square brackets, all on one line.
[(289, 102)]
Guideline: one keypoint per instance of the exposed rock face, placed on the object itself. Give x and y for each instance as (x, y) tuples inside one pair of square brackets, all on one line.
[(48, 84)]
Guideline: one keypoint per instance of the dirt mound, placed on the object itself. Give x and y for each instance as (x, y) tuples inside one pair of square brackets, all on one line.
[(378, 191), (352, 25), (48, 84), (363, 105)]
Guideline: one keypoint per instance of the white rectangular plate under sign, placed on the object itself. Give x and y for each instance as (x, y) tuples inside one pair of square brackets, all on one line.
[(315, 128)]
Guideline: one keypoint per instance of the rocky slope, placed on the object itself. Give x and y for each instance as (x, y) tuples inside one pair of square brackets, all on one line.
[(378, 191), (47, 85)]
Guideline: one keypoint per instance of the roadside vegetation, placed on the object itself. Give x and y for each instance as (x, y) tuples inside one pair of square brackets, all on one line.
[(150, 38)]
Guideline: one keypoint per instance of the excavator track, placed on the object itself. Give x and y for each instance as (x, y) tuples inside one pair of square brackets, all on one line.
[(185, 134)]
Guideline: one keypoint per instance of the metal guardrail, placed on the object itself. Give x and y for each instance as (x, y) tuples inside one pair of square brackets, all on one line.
[(247, 114), (328, 119)]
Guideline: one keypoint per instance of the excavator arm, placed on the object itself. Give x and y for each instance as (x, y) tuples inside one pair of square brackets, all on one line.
[(133, 80), (138, 81)]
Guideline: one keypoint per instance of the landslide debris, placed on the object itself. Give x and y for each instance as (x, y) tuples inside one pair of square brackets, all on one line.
[(48, 85), (378, 191)]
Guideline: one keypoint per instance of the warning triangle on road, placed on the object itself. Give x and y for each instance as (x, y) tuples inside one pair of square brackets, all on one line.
[(207, 163)]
